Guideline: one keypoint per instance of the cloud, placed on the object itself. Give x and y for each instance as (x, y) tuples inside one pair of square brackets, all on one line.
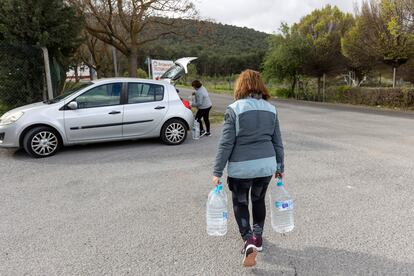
[(264, 15)]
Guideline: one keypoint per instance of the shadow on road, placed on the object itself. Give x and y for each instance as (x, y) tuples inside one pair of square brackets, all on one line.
[(93, 148), (327, 261)]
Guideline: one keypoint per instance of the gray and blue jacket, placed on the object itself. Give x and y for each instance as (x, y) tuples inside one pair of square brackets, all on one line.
[(251, 142)]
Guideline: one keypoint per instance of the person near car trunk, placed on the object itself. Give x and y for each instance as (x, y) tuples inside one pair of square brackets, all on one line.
[(251, 146), (203, 104)]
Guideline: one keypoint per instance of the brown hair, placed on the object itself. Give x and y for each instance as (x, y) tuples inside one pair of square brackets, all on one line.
[(250, 83), (196, 84)]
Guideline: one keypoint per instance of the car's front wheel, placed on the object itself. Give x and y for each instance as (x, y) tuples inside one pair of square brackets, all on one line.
[(174, 132), (41, 142)]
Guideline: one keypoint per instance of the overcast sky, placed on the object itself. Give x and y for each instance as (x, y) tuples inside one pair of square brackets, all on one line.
[(264, 15)]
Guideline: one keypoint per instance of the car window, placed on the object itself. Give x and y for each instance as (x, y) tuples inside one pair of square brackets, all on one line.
[(104, 95), (144, 92), (175, 72)]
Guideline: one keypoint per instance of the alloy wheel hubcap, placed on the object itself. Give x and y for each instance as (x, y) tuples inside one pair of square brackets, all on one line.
[(44, 143), (175, 133)]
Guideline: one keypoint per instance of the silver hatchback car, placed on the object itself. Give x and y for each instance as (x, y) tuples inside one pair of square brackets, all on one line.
[(98, 111)]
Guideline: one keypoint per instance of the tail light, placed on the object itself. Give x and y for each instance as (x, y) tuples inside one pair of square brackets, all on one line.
[(186, 103)]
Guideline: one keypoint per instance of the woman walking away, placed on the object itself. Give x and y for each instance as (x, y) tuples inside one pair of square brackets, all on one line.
[(203, 104), (251, 144)]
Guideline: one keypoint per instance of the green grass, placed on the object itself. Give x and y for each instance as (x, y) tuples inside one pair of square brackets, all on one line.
[(278, 92), (210, 88), (215, 117), (219, 90)]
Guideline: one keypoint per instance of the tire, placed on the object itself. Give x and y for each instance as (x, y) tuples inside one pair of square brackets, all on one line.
[(41, 142), (174, 132)]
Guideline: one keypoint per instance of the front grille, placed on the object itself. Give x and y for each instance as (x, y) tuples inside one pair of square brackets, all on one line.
[(1, 136)]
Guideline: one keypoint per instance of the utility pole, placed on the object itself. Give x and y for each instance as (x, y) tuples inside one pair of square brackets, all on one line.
[(92, 72), (114, 58), (394, 77), (47, 72), (323, 87), (149, 67)]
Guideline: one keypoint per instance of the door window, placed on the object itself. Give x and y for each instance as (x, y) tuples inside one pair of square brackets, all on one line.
[(104, 95), (145, 92)]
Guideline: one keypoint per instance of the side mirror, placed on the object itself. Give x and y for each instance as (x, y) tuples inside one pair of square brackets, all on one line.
[(73, 105)]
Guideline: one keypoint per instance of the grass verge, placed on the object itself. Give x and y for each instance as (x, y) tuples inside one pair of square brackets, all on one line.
[(211, 89), (215, 117), (275, 92)]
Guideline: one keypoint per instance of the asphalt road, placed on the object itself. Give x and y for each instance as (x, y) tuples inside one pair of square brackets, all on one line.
[(138, 208)]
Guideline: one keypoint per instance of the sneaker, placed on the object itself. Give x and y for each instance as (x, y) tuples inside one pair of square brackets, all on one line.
[(258, 242), (208, 134), (250, 253), (202, 133)]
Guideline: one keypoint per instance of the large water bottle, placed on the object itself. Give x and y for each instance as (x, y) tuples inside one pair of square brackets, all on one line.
[(216, 213), (281, 208), (191, 100), (196, 130)]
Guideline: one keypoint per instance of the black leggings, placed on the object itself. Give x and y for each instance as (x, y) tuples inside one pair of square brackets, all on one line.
[(203, 113), (240, 189)]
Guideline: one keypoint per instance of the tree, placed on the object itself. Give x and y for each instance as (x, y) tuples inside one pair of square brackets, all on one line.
[(25, 26), (285, 57), (97, 55), (383, 32), (130, 24), (360, 59), (43, 23), (406, 9), (323, 30)]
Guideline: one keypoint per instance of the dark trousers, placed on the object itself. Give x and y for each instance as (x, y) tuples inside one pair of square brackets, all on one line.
[(240, 189), (203, 113)]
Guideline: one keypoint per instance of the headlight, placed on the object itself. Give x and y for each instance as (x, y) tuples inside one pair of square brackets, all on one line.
[(9, 118)]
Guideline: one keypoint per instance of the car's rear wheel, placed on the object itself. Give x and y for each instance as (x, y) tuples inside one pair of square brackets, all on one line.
[(41, 142), (174, 132)]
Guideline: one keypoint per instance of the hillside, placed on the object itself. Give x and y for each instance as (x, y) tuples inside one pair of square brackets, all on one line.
[(222, 49)]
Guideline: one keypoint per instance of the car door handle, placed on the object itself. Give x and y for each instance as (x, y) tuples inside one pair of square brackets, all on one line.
[(114, 112), (160, 107)]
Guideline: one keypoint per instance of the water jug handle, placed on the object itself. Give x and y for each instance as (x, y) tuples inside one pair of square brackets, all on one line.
[(219, 188), (279, 182)]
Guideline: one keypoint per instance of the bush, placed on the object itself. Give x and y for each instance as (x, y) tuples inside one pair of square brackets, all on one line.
[(280, 92), (70, 85), (379, 96), (336, 93), (142, 74), (3, 109)]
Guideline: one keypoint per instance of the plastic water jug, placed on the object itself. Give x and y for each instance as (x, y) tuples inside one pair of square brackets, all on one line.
[(281, 208), (216, 213), (191, 99), (196, 130)]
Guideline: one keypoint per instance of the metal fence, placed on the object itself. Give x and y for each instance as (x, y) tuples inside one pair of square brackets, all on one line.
[(21, 75)]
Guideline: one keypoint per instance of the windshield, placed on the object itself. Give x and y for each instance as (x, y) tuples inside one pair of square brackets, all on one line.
[(173, 73), (69, 92)]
